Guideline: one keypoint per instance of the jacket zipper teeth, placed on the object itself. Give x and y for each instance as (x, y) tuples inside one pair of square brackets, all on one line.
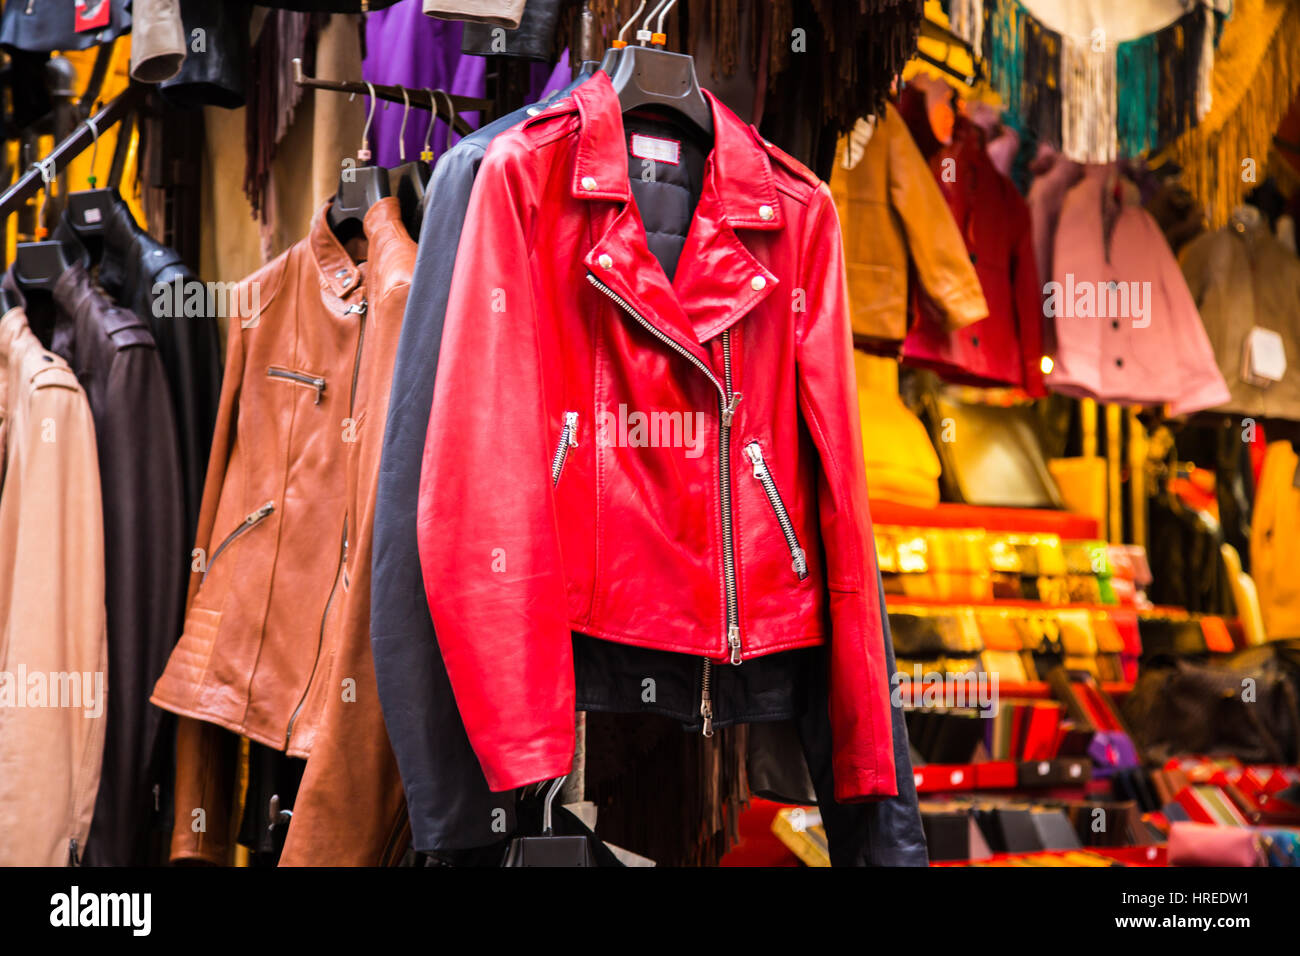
[(342, 569), (312, 381), (568, 439), (727, 402), (320, 639), (250, 520), (798, 557), (359, 310)]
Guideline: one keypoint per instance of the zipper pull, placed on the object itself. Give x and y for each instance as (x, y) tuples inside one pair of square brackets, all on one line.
[(800, 562), (571, 428), (706, 711), (733, 641), (256, 516), (359, 309), (74, 859), (729, 410), (755, 454), (157, 801)]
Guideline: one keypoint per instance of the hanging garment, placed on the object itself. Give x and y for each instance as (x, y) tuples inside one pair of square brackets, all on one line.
[(1054, 175), (1275, 542), (53, 25), (51, 605), (901, 463), (350, 809), (1007, 347), (157, 40), (450, 806), (893, 215), (447, 797), (215, 74), (1127, 329), (669, 565), (141, 274), (115, 360), (1247, 288), (272, 537), (502, 13)]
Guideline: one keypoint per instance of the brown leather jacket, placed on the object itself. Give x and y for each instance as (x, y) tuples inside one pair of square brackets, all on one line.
[(350, 808), (271, 552), (892, 213)]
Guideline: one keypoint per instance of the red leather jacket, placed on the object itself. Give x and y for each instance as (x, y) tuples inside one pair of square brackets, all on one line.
[(735, 529)]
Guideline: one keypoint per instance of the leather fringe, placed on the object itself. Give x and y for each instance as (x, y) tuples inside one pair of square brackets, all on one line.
[(1255, 77), (272, 94)]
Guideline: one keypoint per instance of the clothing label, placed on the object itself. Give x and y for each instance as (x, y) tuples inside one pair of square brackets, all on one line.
[(90, 14), (1264, 361), (93, 214), (660, 150)]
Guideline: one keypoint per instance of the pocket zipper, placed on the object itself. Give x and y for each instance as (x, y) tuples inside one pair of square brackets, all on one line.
[(311, 381), (568, 439), (249, 521), (799, 559)]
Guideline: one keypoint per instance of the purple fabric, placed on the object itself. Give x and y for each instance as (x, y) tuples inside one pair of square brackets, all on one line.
[(406, 48)]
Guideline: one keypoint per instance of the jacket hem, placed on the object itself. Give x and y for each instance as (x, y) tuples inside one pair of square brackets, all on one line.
[(812, 640)]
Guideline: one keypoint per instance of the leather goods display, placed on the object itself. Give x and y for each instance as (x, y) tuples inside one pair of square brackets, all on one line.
[(1246, 705), (628, 557), (1200, 844), (991, 456)]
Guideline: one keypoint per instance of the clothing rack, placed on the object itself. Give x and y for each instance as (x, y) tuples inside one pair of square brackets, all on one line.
[(32, 181), (420, 99)]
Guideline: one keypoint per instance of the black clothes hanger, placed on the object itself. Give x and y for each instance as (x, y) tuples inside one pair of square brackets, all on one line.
[(7, 300), (406, 181), (360, 187), (651, 76), (38, 265), (89, 212)]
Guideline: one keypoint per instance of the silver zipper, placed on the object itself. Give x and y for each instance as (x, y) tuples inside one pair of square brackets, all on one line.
[(320, 639), (250, 521), (311, 381), (799, 559), (359, 310), (568, 439), (727, 402)]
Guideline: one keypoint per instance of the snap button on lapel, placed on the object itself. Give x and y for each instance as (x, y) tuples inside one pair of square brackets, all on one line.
[(533, 111), (588, 183), (765, 212), (757, 283), (605, 261)]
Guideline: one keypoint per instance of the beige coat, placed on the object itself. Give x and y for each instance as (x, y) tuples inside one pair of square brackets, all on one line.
[(892, 214), (53, 643)]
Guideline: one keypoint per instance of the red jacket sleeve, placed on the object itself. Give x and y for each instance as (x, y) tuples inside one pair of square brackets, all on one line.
[(486, 524), (863, 756), (1028, 292)]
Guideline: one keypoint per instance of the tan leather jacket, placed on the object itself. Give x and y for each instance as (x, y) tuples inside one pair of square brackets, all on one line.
[(271, 554), (350, 809), (892, 214), (52, 610)]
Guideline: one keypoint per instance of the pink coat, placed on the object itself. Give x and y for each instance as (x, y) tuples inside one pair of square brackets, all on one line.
[(1127, 329)]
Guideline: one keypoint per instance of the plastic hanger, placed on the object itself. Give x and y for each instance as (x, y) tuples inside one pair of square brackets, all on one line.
[(89, 210), (360, 187), (609, 62), (651, 76), (38, 265), (406, 181)]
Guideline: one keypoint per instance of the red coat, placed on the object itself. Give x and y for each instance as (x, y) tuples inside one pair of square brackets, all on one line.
[(1007, 347), (538, 516)]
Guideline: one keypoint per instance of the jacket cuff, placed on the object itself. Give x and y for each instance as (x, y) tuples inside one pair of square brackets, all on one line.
[(510, 774), (863, 786)]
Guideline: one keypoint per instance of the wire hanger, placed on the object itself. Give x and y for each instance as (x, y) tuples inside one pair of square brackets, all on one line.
[(360, 187), (609, 62), (406, 180), (651, 76)]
